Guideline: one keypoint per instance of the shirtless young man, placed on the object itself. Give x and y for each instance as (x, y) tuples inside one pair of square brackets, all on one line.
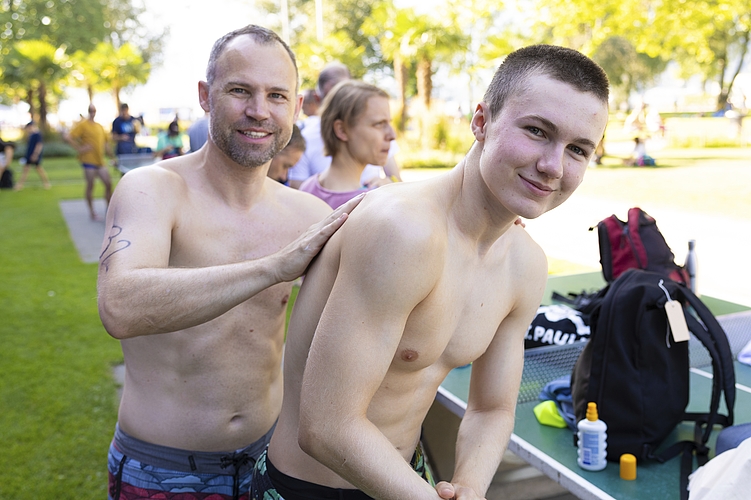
[(194, 279), (425, 277)]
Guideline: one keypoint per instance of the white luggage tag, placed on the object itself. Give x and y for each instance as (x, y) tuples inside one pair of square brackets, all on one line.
[(676, 319)]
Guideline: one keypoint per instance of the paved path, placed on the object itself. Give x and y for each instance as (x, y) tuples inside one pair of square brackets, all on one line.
[(87, 235)]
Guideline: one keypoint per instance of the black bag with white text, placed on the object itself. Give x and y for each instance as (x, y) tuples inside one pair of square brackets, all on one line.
[(557, 324)]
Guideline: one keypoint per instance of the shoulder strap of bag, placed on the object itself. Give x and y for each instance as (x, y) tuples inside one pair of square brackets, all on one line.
[(705, 327), (713, 337)]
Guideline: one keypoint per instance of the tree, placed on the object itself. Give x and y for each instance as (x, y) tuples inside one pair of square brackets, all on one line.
[(107, 69), (344, 39), (54, 21), (36, 66), (68, 26), (707, 37), (627, 69), (414, 42), (393, 31)]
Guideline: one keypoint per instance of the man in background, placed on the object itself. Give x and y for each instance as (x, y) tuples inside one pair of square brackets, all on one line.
[(89, 139), (124, 130), (198, 133), (33, 156)]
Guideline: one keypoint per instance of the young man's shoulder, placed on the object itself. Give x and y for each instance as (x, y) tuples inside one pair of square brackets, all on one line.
[(399, 218), (525, 256)]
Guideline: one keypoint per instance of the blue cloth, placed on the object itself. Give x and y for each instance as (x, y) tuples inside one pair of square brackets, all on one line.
[(34, 139), (731, 437), (559, 391)]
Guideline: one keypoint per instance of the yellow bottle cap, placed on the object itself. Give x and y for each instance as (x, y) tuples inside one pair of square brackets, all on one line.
[(628, 467)]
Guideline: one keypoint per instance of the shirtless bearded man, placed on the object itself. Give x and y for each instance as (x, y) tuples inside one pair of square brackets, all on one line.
[(194, 279)]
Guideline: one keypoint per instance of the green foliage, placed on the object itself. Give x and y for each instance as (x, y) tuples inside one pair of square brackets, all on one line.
[(702, 36), (110, 68), (449, 134), (36, 35), (57, 22), (52, 149), (57, 394), (627, 69)]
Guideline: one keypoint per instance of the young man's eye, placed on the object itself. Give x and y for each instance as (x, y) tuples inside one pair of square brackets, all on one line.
[(578, 150), (534, 130), (276, 95)]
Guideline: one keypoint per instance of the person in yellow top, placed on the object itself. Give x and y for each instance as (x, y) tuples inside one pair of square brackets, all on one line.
[(90, 140)]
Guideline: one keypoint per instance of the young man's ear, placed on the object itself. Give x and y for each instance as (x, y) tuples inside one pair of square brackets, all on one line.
[(480, 121)]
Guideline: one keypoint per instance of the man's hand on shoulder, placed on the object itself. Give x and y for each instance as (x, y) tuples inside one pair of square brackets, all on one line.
[(295, 257)]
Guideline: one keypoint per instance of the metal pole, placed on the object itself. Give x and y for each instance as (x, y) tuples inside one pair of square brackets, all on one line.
[(319, 20), (285, 20)]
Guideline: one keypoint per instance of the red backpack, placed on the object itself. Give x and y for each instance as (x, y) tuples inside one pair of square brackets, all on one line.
[(636, 243)]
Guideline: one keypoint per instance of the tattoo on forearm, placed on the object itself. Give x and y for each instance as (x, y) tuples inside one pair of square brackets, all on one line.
[(112, 248)]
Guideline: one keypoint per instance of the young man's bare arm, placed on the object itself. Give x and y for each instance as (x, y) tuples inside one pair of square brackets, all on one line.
[(489, 419), (353, 348), (139, 294)]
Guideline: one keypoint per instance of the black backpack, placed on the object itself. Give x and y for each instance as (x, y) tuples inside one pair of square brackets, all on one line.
[(639, 376), (6, 180), (635, 243)]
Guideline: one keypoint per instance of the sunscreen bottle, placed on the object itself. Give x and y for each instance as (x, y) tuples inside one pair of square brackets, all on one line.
[(593, 435)]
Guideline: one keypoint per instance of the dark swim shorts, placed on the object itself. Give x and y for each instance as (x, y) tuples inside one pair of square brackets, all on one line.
[(269, 483), (142, 470)]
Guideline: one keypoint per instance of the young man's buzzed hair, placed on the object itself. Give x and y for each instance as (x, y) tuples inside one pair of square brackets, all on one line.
[(560, 63), (260, 34), (345, 102)]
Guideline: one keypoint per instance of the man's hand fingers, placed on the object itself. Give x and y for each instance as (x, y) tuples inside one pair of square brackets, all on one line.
[(445, 490), (298, 254), (349, 206), (465, 493), (326, 228)]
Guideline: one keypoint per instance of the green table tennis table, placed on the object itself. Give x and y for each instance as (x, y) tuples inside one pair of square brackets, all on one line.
[(551, 450)]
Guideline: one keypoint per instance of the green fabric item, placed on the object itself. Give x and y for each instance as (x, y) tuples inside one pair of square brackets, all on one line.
[(547, 414)]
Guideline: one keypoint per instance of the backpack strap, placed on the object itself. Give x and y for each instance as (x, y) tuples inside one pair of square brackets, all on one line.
[(705, 327), (715, 340), (687, 450)]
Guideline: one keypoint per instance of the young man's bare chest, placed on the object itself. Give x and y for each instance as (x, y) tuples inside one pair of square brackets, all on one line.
[(457, 321)]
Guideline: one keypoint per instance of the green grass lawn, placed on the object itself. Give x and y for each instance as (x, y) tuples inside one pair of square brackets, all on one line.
[(57, 395)]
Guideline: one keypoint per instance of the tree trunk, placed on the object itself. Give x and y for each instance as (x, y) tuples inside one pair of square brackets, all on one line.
[(425, 80), (424, 89), (43, 107), (116, 94), (400, 75), (30, 102), (722, 98), (726, 93)]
